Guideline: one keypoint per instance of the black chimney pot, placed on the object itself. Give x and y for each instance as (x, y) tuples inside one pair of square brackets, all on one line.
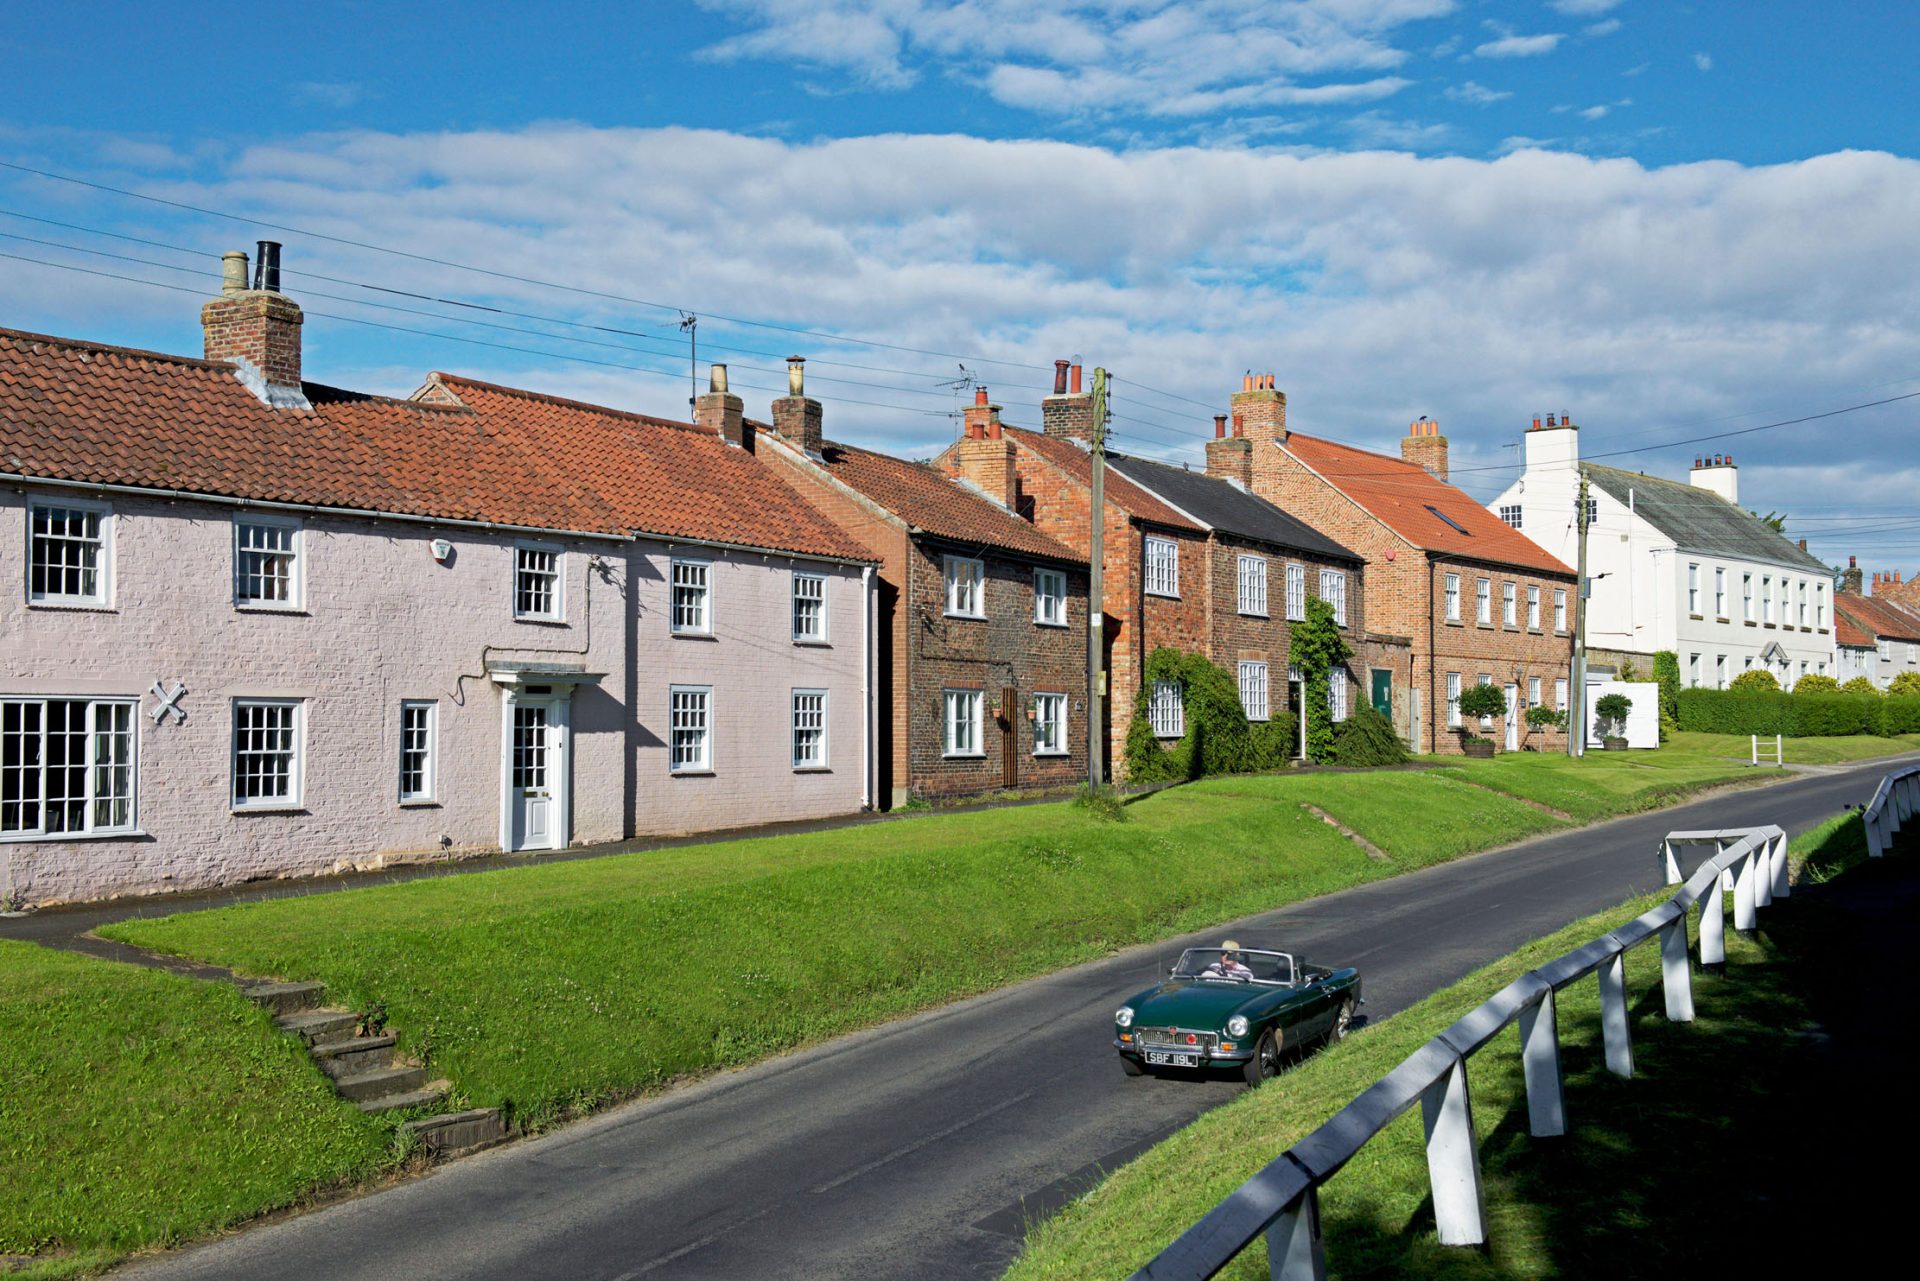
[(266, 267)]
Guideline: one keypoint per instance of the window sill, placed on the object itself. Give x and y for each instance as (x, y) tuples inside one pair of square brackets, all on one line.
[(1453, 622), (539, 622), (1051, 756), (963, 756), (970, 618), (421, 804), (1041, 622), (118, 834), (253, 607), (1247, 613), (808, 642), (74, 606), (690, 773), (291, 808), (1160, 595), (1750, 623), (699, 636), (1722, 619), (813, 769), (1698, 618)]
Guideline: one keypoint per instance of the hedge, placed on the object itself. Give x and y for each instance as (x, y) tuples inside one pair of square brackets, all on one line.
[(1726, 711)]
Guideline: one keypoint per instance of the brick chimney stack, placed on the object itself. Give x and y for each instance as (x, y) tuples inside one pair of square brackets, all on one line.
[(985, 457), (1068, 412), (257, 329), (1850, 579), (1230, 454), (1259, 409), (1424, 446), (721, 412), (796, 415)]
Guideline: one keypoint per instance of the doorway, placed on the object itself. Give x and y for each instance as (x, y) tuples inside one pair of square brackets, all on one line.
[(1383, 692), (534, 782), (1513, 716)]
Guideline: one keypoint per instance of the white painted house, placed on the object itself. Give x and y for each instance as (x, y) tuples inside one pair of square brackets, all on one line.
[(1680, 567)]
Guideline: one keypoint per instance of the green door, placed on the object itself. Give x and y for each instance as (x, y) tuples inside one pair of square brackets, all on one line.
[(1383, 692)]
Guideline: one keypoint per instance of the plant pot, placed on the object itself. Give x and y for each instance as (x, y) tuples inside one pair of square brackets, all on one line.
[(1481, 748), (1613, 744)]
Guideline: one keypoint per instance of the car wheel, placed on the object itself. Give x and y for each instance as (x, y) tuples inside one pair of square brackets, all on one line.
[(1342, 1022), (1132, 1066), (1265, 1063)]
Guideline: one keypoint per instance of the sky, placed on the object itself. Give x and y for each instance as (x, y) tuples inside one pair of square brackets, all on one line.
[(1686, 225)]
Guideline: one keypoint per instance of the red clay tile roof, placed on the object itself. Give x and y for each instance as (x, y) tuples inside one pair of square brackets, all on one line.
[(654, 474), (1845, 632), (1407, 497), (1120, 491), (1876, 616), (927, 498), (110, 415)]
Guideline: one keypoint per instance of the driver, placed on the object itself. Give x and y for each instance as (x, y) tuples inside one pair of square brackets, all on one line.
[(1229, 965)]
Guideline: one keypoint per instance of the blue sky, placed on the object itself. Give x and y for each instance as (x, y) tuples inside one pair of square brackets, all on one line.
[(1675, 221)]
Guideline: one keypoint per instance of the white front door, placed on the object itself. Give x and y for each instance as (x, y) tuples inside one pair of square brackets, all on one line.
[(1513, 717), (536, 779)]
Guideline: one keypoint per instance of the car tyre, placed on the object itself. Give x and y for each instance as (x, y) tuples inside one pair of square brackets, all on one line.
[(1265, 1063), (1132, 1066), (1342, 1022)]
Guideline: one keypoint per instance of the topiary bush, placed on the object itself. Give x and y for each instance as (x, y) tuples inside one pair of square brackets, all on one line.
[(1905, 685), (1367, 738), (1218, 740), (1816, 685), (1546, 718), (1612, 710), (1754, 678), (1860, 685)]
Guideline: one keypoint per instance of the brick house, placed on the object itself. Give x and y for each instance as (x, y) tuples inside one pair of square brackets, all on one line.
[(1885, 632), (1170, 574), (266, 627), (982, 618), (1480, 602)]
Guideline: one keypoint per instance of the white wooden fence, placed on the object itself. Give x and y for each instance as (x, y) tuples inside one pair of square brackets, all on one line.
[(1895, 801), (1282, 1201)]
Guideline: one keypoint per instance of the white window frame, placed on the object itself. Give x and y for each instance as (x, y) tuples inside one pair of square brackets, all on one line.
[(953, 704), (1693, 587), (103, 576), (1453, 700), (1509, 604), (1746, 597), (1483, 601), (1693, 671), (1559, 609), (558, 614), (430, 751), (1885, 646), (1512, 514), (1049, 598), (1333, 590), (1160, 566), (1486, 722), (1253, 585), (1533, 607), (1801, 602), (1453, 598), (1296, 592), (90, 825), (1559, 692), (1337, 693), (1766, 599), (1043, 701), (1719, 591), (817, 759), (296, 570), (703, 764), (1255, 691), (1820, 606), (1719, 671), (699, 589), (297, 753), (966, 592), (1533, 692), (818, 584), (1167, 710)]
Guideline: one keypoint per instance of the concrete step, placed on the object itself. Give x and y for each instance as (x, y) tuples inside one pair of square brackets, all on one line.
[(316, 1026), (354, 1055), (452, 1133), (431, 1092), (284, 998), (380, 1083)]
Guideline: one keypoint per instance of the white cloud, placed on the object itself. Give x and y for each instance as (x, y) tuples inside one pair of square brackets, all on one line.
[(1653, 303), (1599, 29), (333, 94), (1593, 112), (1477, 95), (1637, 69), (1517, 46), (1703, 61), (1582, 8)]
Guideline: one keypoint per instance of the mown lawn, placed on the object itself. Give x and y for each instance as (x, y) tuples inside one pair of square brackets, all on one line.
[(1680, 1171), (1604, 784), (138, 1107), (1798, 751)]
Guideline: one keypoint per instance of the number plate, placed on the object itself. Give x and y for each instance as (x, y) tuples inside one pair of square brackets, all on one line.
[(1160, 1058)]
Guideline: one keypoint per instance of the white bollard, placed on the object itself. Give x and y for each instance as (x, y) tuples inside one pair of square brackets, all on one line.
[(1613, 1015), (1453, 1159), (1756, 750), (1540, 1064), (1743, 913), (1676, 970), (1295, 1250), (1713, 927)]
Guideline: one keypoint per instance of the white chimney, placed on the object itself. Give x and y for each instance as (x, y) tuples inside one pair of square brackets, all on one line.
[(1717, 474), (1554, 446)]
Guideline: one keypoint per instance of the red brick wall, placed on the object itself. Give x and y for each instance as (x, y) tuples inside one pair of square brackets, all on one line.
[(260, 328), (1508, 654)]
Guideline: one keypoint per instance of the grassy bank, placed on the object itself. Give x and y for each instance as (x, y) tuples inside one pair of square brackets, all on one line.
[(1798, 751), (138, 1107)]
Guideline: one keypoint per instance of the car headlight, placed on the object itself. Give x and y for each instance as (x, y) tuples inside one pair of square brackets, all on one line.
[(1124, 1017), (1236, 1027)]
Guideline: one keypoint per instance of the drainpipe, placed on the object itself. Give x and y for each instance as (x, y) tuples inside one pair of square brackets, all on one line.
[(1437, 708), (868, 710)]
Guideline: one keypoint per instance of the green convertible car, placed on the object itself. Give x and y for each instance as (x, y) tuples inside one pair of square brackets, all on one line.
[(1236, 1007)]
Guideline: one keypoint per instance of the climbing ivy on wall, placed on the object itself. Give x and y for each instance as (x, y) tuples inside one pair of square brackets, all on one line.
[(1219, 739), (1318, 647)]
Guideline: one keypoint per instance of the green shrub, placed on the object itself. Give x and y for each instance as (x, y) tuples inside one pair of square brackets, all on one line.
[(1801, 714), (1316, 648), (1666, 670), (1754, 678), (1829, 715), (1483, 700), (1102, 802), (1218, 739), (1905, 684), (1367, 738), (1727, 711), (1541, 718), (1816, 685), (1895, 715), (1860, 685), (1612, 710)]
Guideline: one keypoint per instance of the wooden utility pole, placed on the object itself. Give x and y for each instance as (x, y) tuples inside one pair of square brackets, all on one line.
[(1577, 714), (1096, 593)]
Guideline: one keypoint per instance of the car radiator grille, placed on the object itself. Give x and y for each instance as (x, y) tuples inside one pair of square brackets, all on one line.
[(1172, 1038)]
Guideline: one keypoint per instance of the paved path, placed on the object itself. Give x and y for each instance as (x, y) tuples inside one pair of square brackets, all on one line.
[(920, 1149)]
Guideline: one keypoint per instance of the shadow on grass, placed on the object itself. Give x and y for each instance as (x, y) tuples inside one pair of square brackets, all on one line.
[(1763, 1135)]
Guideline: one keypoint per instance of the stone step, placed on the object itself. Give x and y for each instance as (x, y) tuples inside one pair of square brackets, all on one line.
[(354, 1055), (315, 1026), (284, 998), (452, 1133), (431, 1092), (380, 1083)]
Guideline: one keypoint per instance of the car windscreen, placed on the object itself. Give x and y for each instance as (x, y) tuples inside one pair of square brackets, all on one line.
[(1244, 966)]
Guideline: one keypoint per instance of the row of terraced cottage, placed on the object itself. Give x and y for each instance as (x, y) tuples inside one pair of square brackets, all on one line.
[(268, 627)]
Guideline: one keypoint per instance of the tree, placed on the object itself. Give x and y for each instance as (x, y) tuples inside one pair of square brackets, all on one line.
[(1859, 685), (1906, 684), (1754, 678), (1612, 710), (1316, 647), (1816, 684), (1483, 700), (1776, 521)]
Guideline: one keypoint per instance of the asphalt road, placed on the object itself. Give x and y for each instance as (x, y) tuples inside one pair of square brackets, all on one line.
[(921, 1149)]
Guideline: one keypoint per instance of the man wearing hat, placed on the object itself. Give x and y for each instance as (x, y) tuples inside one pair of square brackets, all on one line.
[(1228, 966)]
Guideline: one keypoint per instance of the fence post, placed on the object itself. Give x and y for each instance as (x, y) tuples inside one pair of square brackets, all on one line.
[(1453, 1159), (1540, 1061), (1295, 1251), (1676, 970), (1777, 846), (1876, 843), (1756, 751), (1713, 926), (1613, 1014), (1743, 913), (1763, 872), (1672, 859)]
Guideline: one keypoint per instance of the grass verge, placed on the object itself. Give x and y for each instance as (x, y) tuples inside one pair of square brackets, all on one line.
[(138, 1107), (1798, 751)]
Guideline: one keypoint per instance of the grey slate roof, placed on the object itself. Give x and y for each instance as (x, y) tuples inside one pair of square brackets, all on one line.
[(1698, 520), (1227, 507)]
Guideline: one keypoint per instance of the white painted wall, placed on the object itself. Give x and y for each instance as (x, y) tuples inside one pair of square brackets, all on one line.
[(1643, 719)]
